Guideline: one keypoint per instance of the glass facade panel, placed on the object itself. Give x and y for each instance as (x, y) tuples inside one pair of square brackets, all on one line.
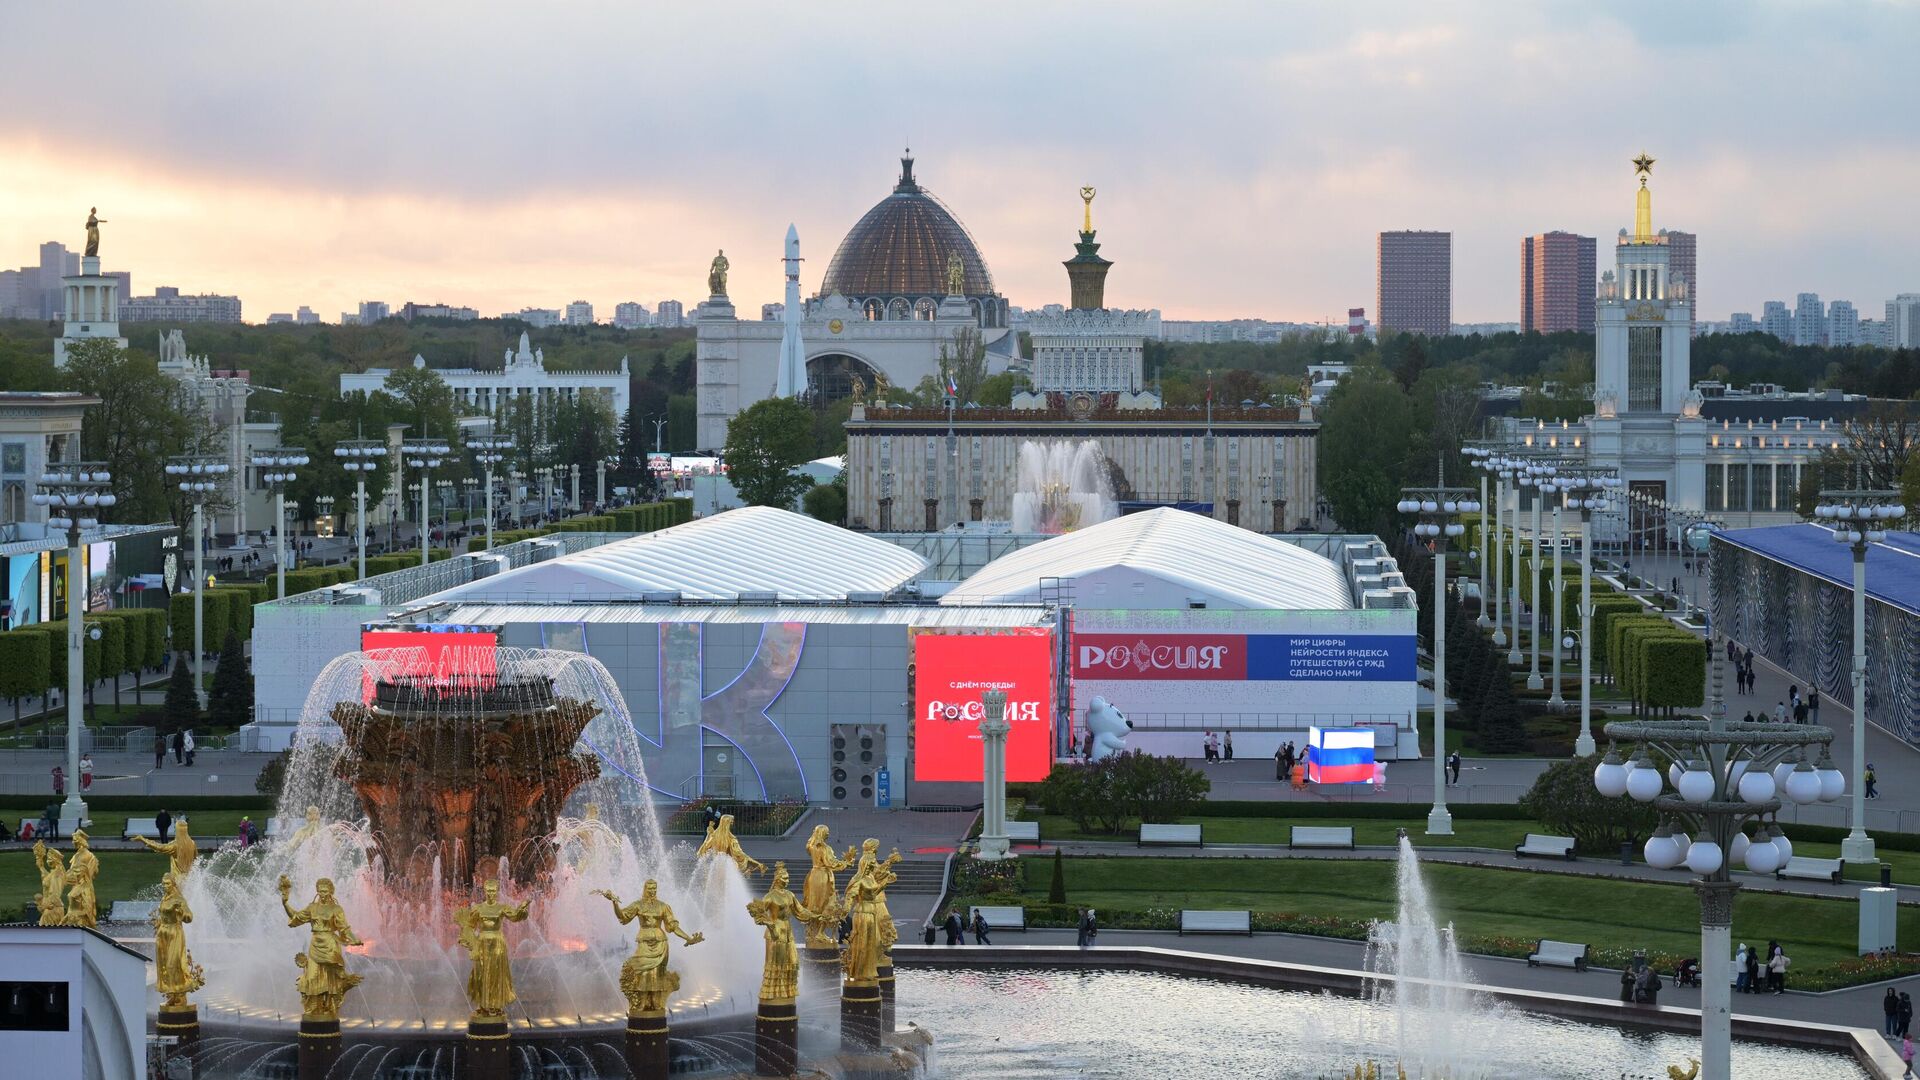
[(1643, 369), (1716, 486), (1737, 487)]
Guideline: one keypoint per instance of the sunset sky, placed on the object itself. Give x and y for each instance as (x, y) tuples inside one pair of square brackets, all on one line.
[(507, 155)]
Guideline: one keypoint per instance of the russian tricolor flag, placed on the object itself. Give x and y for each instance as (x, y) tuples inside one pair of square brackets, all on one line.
[(1340, 755)]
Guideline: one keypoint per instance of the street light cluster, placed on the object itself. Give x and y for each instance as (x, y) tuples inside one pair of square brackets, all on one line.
[(1753, 792), (1431, 529), (1437, 508), (72, 491), (1853, 513)]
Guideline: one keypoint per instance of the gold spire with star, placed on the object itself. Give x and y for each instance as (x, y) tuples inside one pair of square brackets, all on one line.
[(1643, 201)]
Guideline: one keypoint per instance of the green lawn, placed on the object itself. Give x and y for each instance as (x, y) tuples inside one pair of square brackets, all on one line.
[(1265, 830), (123, 874), (1479, 901)]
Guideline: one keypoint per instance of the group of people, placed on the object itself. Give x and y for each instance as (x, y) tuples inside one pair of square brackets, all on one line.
[(86, 776), (182, 748), (1899, 1020), (1284, 759), (956, 927), (1216, 749), (1754, 973)]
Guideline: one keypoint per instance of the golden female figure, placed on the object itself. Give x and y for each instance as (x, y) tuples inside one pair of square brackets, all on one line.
[(82, 910), (882, 873), (324, 978), (181, 849), (721, 841), (822, 890), (175, 973), (490, 983), (780, 981), (307, 831), (860, 953), (53, 884), (645, 978)]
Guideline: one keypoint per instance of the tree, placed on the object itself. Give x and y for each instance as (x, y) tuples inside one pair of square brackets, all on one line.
[(143, 418), (230, 699), (1057, 890), (182, 706), (764, 444), (1564, 799), (964, 358), (828, 502), (24, 666), (1364, 439)]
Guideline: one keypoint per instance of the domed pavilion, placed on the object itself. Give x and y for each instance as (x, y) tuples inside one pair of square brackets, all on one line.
[(892, 265)]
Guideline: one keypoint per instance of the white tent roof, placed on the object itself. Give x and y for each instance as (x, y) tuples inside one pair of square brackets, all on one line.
[(754, 549), (1225, 564)]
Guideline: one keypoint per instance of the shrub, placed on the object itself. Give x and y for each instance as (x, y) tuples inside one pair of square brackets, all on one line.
[(1564, 799), (1105, 795), (25, 669), (1057, 889), (112, 647), (212, 611), (230, 699), (182, 707)]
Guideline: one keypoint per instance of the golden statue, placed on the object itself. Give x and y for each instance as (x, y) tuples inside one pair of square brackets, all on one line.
[(490, 983), (181, 848), (1675, 1072), (93, 231), (721, 841), (324, 979), (53, 884), (956, 275), (821, 891), (717, 275), (307, 831), (645, 978), (1086, 196), (82, 868), (175, 973), (780, 981), (1643, 200), (883, 875), (860, 953), (859, 388)]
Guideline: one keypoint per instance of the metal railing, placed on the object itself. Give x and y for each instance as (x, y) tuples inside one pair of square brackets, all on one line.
[(415, 582)]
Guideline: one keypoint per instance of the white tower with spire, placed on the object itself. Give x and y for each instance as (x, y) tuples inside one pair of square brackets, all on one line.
[(792, 379)]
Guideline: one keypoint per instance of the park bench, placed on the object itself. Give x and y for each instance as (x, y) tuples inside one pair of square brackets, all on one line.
[(1000, 918), (144, 826), (1216, 922), (1024, 830), (1559, 954), (1802, 866), (276, 828), (1554, 847), (1169, 834), (131, 911), (1320, 836)]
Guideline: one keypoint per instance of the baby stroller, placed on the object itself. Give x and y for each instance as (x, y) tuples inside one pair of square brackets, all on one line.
[(1688, 974)]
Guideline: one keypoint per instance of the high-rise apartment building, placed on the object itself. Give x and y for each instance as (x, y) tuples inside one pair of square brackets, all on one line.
[(1556, 283), (1776, 319), (1809, 320), (670, 314), (579, 313), (1843, 324), (1903, 321), (306, 316), (167, 304), (1742, 322), (1415, 282), (372, 311), (1682, 252), (630, 315)]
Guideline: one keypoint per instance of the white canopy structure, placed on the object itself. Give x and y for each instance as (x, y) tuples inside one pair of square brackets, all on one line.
[(755, 551), (1162, 558)]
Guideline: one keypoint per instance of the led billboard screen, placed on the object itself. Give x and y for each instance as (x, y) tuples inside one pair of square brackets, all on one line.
[(449, 653), (952, 674)]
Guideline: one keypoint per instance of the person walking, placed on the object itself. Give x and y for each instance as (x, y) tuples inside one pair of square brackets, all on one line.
[(186, 743), (1777, 971), (1890, 1005), (1906, 1056), (1779, 712), (1280, 762), (1904, 1016), (1453, 767), (1871, 780), (179, 747), (1743, 969), (1752, 972), (1089, 929), (163, 824), (59, 781), (1206, 746), (1229, 746), (1799, 712), (980, 928), (159, 751), (956, 930), (86, 772), (1813, 703)]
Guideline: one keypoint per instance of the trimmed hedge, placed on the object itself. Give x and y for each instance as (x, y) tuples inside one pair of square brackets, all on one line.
[(239, 603), (57, 655), (133, 638), (1606, 609), (1670, 667), (112, 647), (25, 663), (213, 610)]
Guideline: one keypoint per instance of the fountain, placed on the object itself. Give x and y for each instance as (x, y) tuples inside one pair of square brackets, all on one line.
[(1061, 486), (438, 810)]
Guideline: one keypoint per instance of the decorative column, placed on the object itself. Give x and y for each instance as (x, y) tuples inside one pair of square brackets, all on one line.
[(1437, 508), (647, 1057), (425, 455), (1554, 700), (278, 464), (1513, 600), (1481, 619), (489, 450), (488, 1052), (1859, 517), (72, 492), (1540, 475), (993, 745), (1501, 470), (199, 478)]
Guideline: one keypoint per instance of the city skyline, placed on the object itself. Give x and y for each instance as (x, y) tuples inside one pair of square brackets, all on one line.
[(1283, 128)]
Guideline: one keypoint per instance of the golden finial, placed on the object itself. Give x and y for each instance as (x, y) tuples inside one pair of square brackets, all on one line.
[(1643, 166), (1643, 201), (1086, 196)]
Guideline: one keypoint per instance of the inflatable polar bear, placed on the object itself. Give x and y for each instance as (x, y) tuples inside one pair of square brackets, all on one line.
[(1108, 729)]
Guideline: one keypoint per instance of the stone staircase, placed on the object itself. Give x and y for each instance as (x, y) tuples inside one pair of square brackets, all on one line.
[(918, 876)]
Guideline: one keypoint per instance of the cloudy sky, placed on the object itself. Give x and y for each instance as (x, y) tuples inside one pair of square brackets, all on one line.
[(505, 155)]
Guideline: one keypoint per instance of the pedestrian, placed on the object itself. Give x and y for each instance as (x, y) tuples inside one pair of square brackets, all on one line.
[(1089, 929), (1741, 958), (1746, 657), (1890, 1005), (246, 832), (187, 744), (1206, 745), (159, 751), (1752, 973), (1872, 791), (1453, 767), (1777, 972), (1813, 703), (86, 772), (1229, 747), (1800, 712), (1280, 762), (179, 747), (1906, 1055), (956, 930), (59, 781), (1733, 651), (1793, 694), (1779, 712), (1749, 717), (163, 824), (980, 928), (1905, 1014)]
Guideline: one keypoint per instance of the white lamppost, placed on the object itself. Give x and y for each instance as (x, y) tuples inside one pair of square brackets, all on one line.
[(323, 508), (1859, 516), (1482, 458), (277, 465), (1538, 474), (1729, 777), (1518, 474), (490, 450), (1585, 491), (993, 744), (360, 457), (198, 476), (425, 455), (1501, 470), (1438, 509), (573, 473), (73, 493)]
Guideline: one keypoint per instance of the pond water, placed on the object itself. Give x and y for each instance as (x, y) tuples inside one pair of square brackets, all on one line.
[(1009, 1024)]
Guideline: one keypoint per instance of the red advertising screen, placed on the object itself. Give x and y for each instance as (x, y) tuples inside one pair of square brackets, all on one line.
[(448, 654), (951, 673)]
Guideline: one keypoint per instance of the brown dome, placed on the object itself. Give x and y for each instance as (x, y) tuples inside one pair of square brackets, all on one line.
[(900, 248)]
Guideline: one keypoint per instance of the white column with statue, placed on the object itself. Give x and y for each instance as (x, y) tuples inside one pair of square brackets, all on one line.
[(993, 745)]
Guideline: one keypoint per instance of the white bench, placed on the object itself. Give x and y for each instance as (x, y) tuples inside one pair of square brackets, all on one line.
[(144, 826), (1559, 954), (1320, 836), (1169, 834), (276, 828), (131, 911), (1216, 922), (1024, 830), (1802, 866), (1000, 918), (1554, 847)]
